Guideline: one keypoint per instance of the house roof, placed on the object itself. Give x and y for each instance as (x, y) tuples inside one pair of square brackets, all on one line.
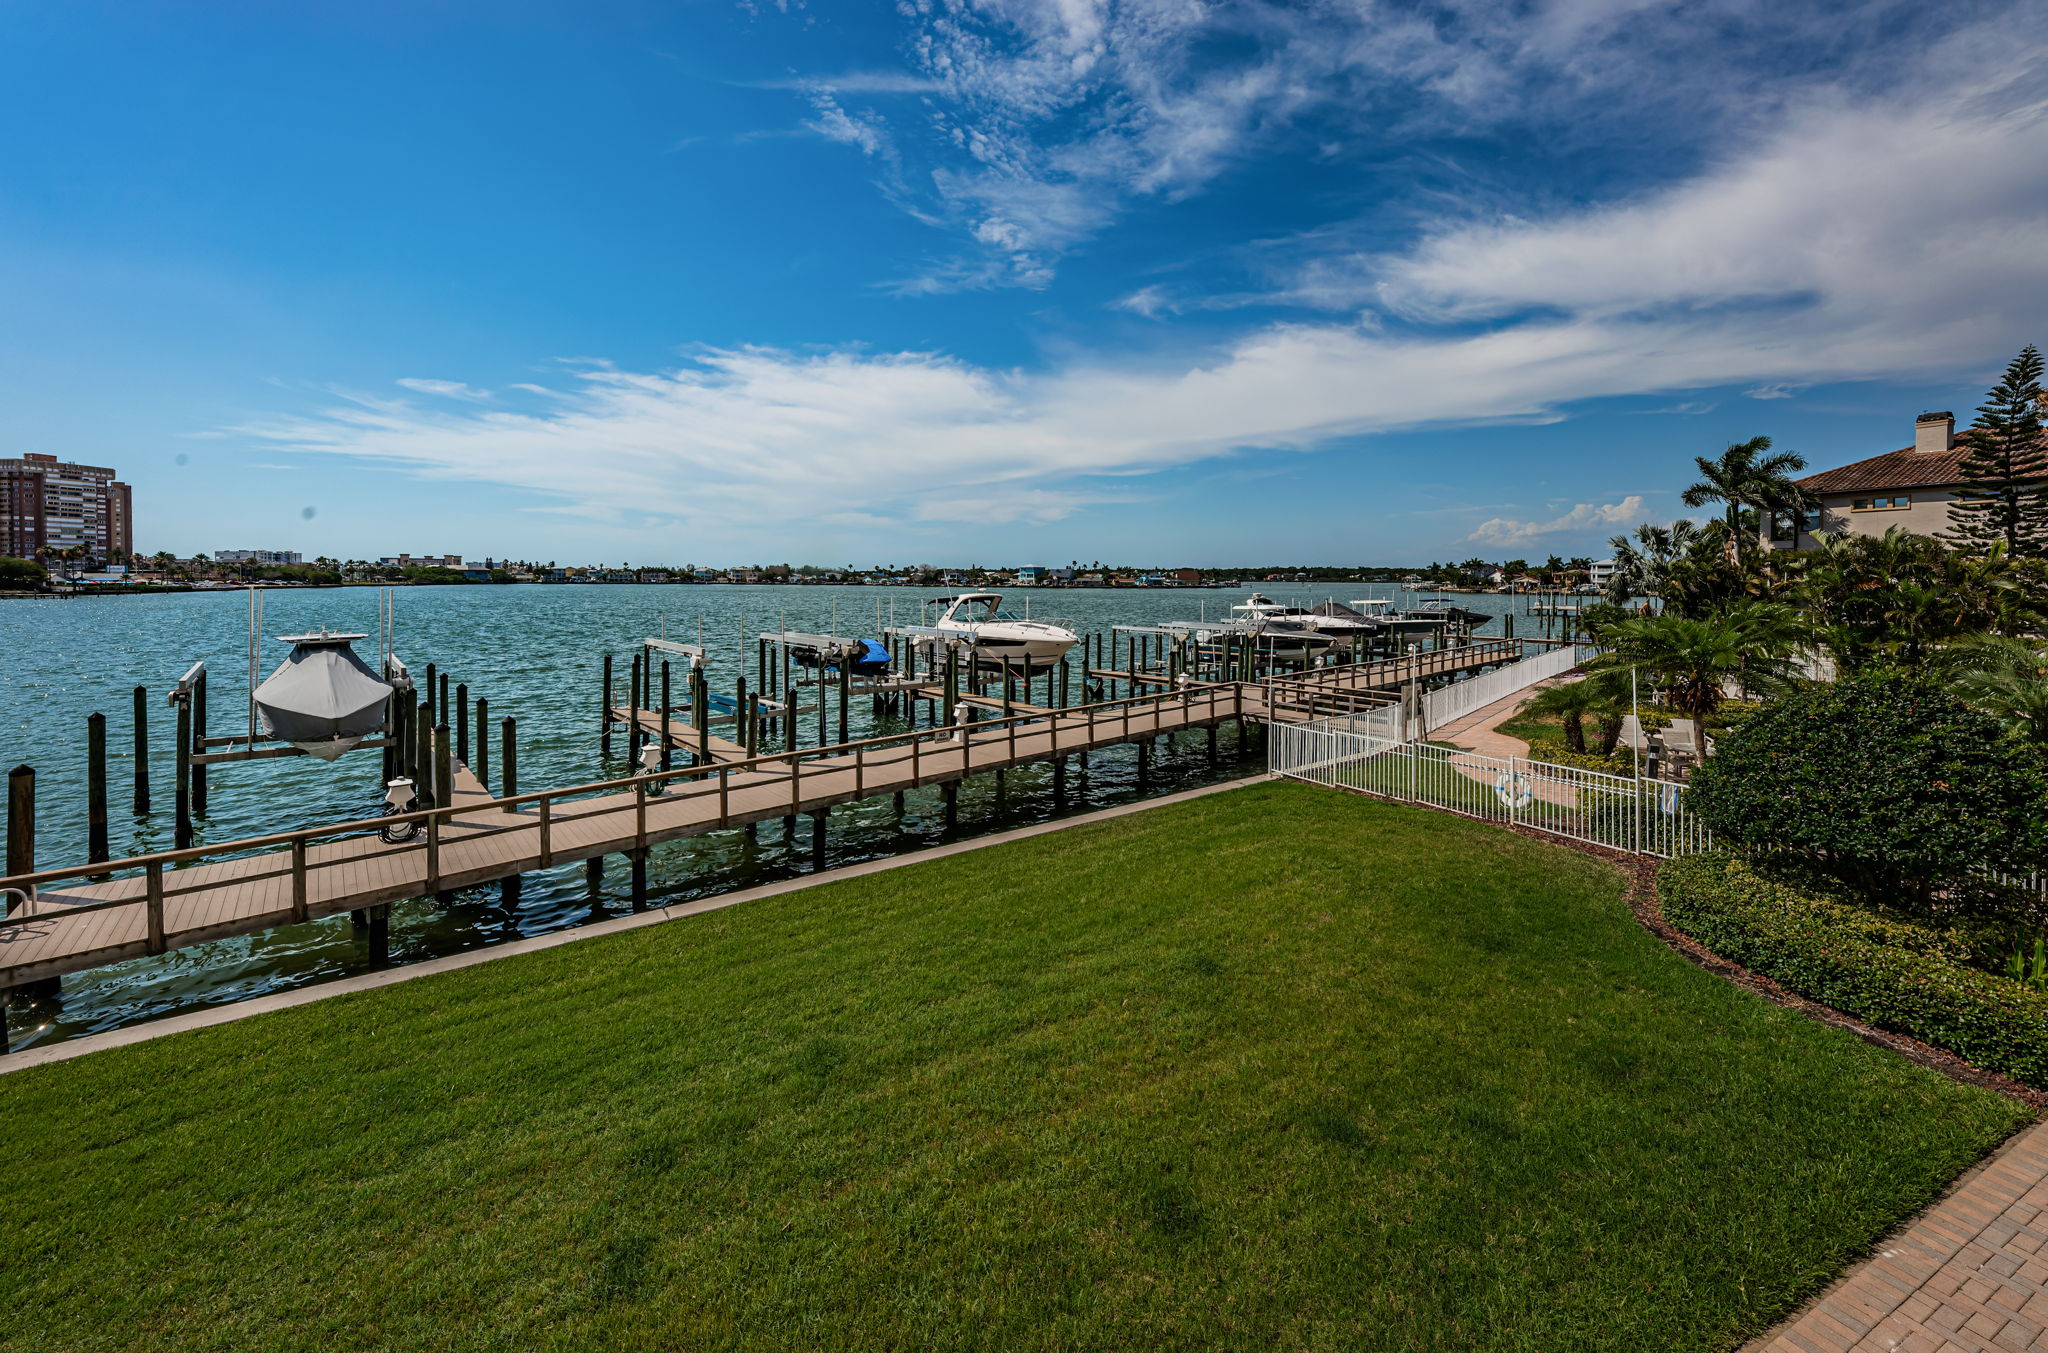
[(1901, 469)]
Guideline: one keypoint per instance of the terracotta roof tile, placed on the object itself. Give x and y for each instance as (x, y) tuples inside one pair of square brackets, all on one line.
[(1901, 469)]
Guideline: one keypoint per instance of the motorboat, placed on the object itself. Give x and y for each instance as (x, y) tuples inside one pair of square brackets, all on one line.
[(322, 698), (1441, 608), (997, 639)]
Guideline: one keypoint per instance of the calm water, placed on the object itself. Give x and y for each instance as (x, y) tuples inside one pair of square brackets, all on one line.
[(535, 652)]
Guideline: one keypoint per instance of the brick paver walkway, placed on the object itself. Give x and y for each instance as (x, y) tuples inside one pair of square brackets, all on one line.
[(1967, 1276)]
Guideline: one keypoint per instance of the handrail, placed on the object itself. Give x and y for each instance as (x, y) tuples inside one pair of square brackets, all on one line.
[(1119, 710)]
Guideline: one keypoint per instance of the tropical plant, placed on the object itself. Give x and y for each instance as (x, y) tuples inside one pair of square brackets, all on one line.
[(1738, 479), (2002, 498), (1883, 780), (1691, 661), (1601, 696), (2006, 678)]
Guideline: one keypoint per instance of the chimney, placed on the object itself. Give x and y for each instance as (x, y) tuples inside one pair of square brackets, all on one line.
[(1934, 432)]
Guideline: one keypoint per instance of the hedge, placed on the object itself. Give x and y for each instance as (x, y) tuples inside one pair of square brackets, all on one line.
[(1889, 973)]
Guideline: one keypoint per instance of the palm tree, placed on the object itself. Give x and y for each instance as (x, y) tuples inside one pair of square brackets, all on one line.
[(1602, 696), (1738, 479), (1693, 660), (2007, 679)]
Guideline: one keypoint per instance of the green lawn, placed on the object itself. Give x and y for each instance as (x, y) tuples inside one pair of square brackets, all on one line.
[(1276, 1068)]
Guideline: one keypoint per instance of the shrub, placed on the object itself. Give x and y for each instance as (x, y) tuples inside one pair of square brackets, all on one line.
[(1888, 972), (1887, 783), (15, 572)]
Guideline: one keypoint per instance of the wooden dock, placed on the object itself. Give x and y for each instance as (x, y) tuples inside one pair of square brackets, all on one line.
[(185, 897)]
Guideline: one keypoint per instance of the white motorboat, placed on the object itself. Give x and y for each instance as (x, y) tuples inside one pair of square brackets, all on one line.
[(1329, 620), (322, 699), (998, 639), (1278, 626)]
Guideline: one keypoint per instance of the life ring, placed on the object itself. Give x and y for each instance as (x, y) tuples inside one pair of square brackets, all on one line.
[(1513, 791)]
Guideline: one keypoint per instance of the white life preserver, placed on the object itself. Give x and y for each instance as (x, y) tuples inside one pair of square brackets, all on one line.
[(1513, 791)]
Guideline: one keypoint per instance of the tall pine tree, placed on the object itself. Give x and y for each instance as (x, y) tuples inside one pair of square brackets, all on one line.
[(2004, 497)]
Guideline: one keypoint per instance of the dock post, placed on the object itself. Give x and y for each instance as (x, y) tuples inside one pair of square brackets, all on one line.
[(742, 710), (899, 803), (483, 742), (462, 723), (380, 934), (700, 702), (753, 725), (508, 763), (198, 771), (1144, 758), (604, 727), (952, 683), (1063, 683), (760, 663), (845, 690), (96, 789), (141, 750), (593, 873), (666, 705), (950, 792), (21, 820), (638, 859), (1212, 744), (423, 749), (819, 817), (508, 890), (1009, 689), (635, 702), (1059, 778), (444, 768), (441, 715), (429, 685), (181, 827)]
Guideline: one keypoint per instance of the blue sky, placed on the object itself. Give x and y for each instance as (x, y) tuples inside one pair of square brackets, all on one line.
[(983, 282)]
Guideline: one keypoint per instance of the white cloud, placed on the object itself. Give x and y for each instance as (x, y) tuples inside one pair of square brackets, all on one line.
[(1586, 516), (446, 389), (1854, 241)]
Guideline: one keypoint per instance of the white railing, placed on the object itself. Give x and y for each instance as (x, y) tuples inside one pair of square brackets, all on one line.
[(1460, 698), (1645, 817)]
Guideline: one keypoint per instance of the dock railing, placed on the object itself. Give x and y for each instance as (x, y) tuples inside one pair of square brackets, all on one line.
[(545, 812)]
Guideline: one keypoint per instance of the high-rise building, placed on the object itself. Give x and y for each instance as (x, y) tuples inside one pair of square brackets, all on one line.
[(51, 504), (258, 557)]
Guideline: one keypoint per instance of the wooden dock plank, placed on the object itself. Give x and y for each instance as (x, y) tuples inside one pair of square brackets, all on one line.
[(229, 896)]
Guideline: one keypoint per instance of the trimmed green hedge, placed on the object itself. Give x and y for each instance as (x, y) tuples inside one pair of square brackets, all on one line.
[(1889, 973)]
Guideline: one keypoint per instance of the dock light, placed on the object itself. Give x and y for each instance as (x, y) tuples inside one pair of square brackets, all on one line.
[(398, 798), (650, 763), (963, 717)]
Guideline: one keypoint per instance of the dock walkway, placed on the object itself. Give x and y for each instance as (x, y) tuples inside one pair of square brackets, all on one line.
[(177, 898)]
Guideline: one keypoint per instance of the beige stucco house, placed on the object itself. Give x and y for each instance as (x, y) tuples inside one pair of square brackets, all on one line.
[(1911, 487)]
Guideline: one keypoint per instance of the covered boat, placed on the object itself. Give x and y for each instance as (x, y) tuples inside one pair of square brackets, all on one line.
[(322, 699)]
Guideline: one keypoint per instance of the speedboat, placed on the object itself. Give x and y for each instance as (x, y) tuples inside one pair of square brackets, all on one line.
[(997, 639), (1285, 626), (322, 699)]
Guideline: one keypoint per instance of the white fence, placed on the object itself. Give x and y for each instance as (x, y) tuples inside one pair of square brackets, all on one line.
[(1460, 698), (1647, 817)]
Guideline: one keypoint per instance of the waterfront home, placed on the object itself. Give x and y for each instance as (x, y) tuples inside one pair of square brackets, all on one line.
[(1914, 487)]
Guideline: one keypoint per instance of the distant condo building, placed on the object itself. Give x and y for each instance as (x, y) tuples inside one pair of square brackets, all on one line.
[(49, 504), (421, 561), (258, 557)]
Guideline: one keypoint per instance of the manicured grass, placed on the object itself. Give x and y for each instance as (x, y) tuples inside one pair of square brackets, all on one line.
[(1275, 1068)]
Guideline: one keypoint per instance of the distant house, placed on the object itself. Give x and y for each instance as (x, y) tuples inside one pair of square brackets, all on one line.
[(1187, 575), (1914, 487), (1031, 576)]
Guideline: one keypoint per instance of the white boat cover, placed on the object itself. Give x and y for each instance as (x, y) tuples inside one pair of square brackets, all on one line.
[(322, 699)]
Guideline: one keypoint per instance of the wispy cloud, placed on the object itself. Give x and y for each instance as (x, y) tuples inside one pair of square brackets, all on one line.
[(445, 389), (1585, 516), (1816, 254)]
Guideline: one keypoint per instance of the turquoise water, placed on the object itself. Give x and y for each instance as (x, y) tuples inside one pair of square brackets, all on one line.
[(535, 652)]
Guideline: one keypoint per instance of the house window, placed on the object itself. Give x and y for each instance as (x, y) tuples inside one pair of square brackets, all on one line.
[(1786, 526), (1876, 504)]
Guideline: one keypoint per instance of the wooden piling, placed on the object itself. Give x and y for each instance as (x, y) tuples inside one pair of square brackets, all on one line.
[(845, 690), (444, 767), (482, 766), (441, 713), (666, 705), (21, 820), (593, 872), (197, 770), (508, 760), (181, 825), (462, 723), (141, 750), (638, 860), (96, 789), (818, 821), (635, 702), (604, 736), (423, 754), (950, 792), (380, 934)]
